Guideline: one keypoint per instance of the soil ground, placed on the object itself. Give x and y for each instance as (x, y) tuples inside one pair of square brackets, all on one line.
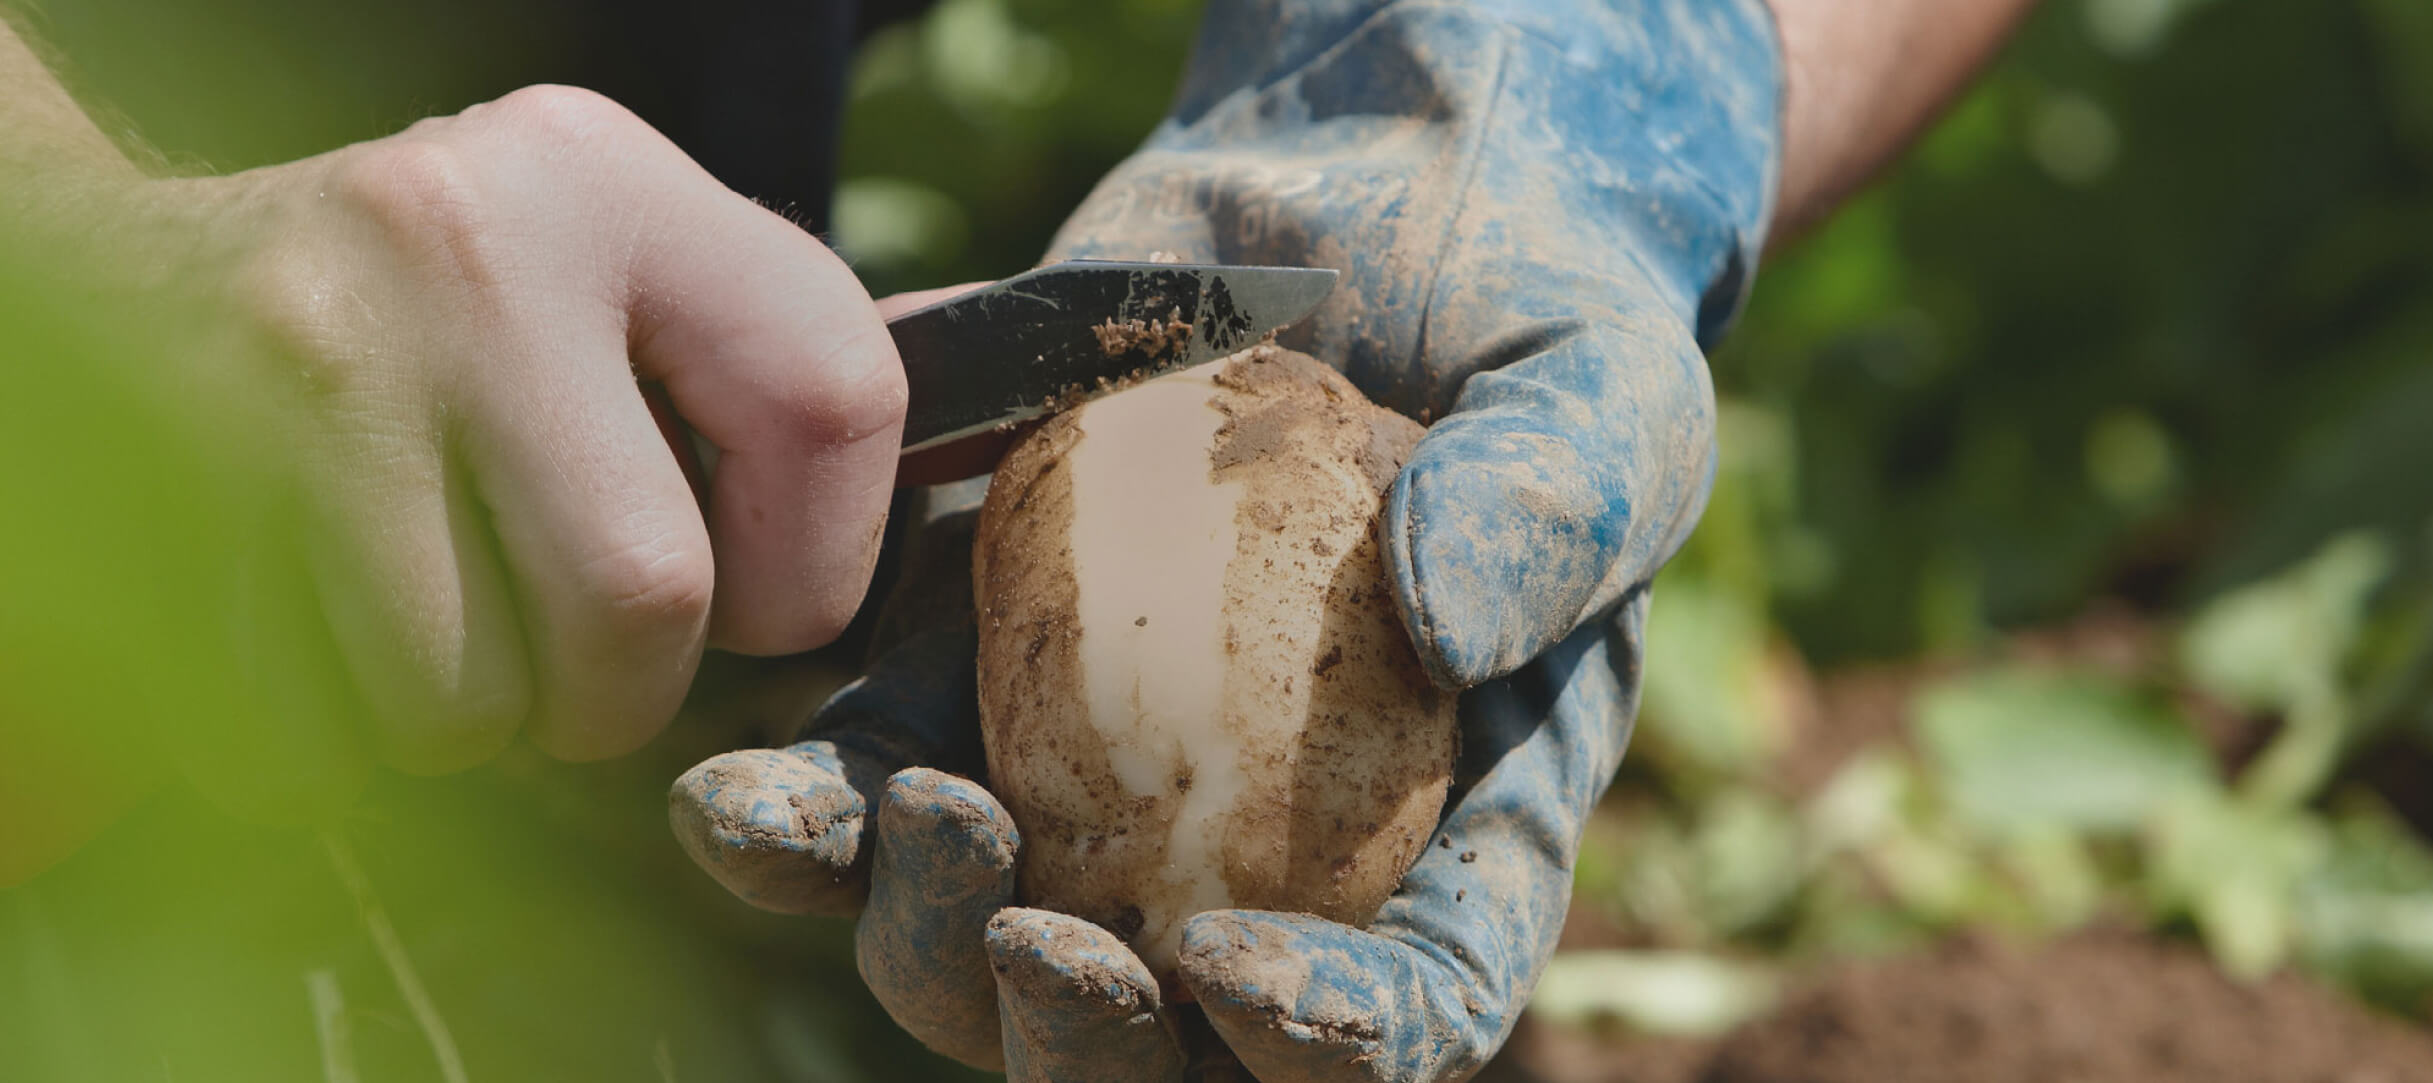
[(2103, 1007), (2098, 1007)]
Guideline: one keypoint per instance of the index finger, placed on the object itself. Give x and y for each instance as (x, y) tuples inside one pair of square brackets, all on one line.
[(968, 457), (774, 353)]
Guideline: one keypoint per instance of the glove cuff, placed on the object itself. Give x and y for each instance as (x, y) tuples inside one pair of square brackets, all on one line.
[(1671, 108)]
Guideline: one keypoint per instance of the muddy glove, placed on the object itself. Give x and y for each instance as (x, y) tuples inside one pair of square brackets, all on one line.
[(1543, 210)]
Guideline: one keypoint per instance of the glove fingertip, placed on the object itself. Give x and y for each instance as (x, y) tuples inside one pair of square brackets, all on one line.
[(779, 828), (1041, 956), (945, 862), (929, 817), (1291, 995), (1075, 1003)]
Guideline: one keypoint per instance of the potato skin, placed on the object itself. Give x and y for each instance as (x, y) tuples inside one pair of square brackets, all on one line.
[(1334, 750)]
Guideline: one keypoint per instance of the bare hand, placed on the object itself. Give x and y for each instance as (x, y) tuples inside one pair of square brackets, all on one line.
[(501, 539)]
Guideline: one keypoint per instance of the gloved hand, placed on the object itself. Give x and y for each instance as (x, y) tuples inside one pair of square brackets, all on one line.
[(1543, 209)]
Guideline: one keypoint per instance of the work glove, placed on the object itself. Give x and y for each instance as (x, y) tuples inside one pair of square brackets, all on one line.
[(1543, 211)]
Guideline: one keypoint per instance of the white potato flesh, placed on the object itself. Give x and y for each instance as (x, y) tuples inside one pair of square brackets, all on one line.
[(1156, 531)]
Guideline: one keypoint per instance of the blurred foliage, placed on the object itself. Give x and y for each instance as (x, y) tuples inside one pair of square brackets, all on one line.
[(528, 921), (2144, 316), (2143, 324), (972, 131)]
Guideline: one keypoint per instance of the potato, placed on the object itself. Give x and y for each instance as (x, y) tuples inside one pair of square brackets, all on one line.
[(1195, 690)]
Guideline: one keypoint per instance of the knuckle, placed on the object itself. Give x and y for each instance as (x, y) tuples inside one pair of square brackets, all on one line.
[(856, 391), (304, 322), (423, 198), (655, 584), (561, 114)]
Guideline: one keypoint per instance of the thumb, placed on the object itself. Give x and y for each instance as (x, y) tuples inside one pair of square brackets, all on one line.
[(1559, 482)]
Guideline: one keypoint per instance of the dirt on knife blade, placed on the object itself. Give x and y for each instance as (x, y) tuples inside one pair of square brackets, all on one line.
[(1153, 343), (1156, 340)]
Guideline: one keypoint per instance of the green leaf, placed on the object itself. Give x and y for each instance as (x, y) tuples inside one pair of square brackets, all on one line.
[(2056, 878), (1862, 803), (2234, 867), (2016, 750), (2278, 643), (2378, 941), (1747, 848), (2366, 919), (1709, 695), (1933, 875), (1658, 992)]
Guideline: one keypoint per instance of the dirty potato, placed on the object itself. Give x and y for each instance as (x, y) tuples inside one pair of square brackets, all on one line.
[(1195, 690)]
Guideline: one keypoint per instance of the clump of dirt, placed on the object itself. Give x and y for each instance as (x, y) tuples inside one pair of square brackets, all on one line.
[(2104, 1006), (1291, 388), (1155, 339), (1154, 343)]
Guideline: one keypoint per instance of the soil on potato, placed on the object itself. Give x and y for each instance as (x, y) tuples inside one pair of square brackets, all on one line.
[(2095, 1008)]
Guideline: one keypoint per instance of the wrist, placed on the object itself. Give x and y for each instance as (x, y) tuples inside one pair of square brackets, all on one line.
[(159, 266), (117, 236), (1863, 78)]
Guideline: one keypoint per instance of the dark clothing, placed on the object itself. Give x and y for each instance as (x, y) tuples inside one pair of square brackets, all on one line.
[(752, 89)]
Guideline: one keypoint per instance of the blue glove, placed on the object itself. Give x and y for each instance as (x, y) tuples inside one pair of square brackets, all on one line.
[(1543, 210)]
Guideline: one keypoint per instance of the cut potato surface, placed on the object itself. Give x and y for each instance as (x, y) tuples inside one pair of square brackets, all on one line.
[(1196, 692)]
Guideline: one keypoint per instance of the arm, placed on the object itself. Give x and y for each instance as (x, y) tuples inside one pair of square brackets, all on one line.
[(57, 787), (63, 182), (448, 329), (1865, 76), (45, 131)]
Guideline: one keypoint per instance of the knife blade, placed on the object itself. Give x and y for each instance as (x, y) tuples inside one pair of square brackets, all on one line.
[(1064, 333)]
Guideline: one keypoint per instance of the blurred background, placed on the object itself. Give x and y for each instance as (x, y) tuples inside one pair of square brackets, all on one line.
[(2064, 611)]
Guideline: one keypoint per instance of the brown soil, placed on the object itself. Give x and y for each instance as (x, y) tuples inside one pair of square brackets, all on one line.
[(2108, 1007), (1155, 339), (2100, 1007)]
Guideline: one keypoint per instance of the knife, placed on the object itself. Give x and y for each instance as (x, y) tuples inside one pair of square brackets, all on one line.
[(1062, 334), (1054, 337)]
